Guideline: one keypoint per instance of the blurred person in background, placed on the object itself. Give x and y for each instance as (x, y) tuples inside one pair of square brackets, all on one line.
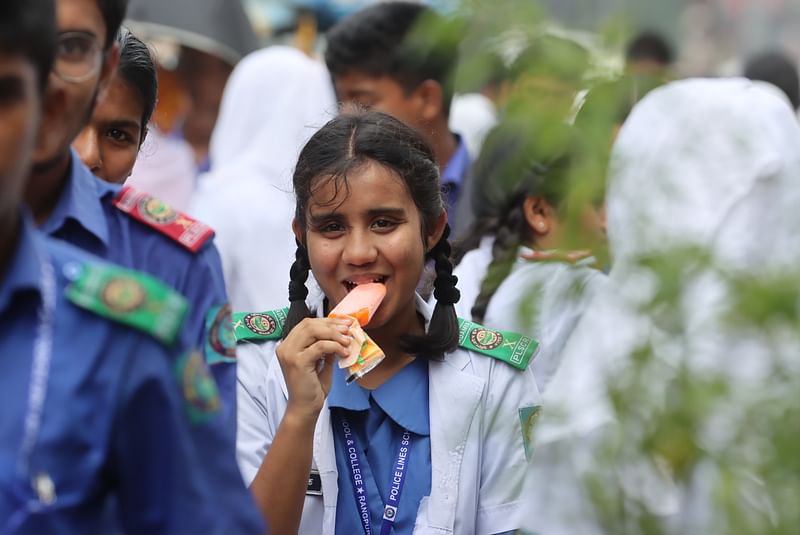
[(649, 53), (204, 76), (534, 283), (397, 58), (649, 417), (197, 45), (276, 99), (109, 144), (545, 79), (473, 113), (777, 69)]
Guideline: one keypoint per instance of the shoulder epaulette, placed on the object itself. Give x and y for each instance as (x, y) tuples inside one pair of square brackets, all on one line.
[(510, 347), (259, 326), (569, 257), (157, 214), (129, 297)]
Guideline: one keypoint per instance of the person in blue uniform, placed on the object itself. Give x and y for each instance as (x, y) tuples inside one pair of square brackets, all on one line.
[(117, 224), (102, 403), (378, 61)]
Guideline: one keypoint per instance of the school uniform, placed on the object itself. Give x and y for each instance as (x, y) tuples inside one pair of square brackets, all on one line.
[(543, 299), (138, 231), (105, 412), (467, 458)]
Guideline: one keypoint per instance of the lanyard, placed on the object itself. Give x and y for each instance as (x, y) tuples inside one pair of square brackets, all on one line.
[(40, 367), (37, 392), (359, 487)]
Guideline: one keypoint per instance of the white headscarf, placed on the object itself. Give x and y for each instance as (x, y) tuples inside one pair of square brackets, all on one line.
[(275, 99), (713, 164)]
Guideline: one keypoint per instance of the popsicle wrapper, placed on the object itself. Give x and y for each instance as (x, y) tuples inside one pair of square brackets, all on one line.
[(364, 353)]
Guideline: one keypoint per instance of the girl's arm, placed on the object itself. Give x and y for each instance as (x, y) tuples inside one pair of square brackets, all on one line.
[(280, 485)]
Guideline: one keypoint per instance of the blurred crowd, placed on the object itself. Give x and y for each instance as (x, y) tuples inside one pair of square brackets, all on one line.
[(585, 267)]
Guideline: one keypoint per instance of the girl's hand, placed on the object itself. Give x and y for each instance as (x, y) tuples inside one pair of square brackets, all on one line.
[(307, 381)]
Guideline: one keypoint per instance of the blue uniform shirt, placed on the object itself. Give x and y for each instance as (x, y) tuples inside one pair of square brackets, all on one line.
[(378, 418), (85, 216), (114, 433), (453, 177)]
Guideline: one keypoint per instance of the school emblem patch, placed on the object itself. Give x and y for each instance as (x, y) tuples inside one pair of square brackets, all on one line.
[(156, 211), (527, 418), (220, 340), (199, 388), (485, 339), (123, 294), (262, 324)]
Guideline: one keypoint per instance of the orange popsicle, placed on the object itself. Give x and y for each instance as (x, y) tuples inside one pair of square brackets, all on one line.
[(361, 303)]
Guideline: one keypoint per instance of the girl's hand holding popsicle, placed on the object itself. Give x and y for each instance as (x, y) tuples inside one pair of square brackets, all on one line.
[(312, 340), (321, 339)]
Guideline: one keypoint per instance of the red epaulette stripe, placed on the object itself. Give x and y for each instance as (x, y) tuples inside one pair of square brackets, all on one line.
[(154, 213)]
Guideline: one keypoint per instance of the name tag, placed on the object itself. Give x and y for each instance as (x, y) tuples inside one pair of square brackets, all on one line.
[(314, 487)]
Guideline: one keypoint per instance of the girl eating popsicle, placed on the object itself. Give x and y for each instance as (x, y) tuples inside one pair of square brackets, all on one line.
[(431, 434)]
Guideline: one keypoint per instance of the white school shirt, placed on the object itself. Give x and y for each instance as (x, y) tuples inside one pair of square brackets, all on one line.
[(478, 406), (540, 299)]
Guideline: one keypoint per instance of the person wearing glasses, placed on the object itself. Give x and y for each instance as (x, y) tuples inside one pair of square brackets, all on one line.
[(109, 143), (134, 229), (97, 436)]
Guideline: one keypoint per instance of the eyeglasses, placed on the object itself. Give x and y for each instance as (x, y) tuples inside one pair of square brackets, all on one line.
[(78, 56)]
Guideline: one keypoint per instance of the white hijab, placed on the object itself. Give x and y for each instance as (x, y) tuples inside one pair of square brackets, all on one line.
[(713, 164), (275, 99)]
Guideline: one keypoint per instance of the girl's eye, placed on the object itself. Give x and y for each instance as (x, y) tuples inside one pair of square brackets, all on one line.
[(383, 224), (331, 228), (119, 136)]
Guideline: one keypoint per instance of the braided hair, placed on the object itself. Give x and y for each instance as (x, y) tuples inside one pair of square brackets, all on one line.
[(346, 143), (510, 227)]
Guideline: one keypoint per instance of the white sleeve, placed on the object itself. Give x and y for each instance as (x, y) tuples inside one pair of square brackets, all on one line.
[(254, 432), (511, 407)]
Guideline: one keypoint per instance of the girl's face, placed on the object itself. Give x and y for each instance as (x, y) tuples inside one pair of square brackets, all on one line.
[(368, 231), (109, 144)]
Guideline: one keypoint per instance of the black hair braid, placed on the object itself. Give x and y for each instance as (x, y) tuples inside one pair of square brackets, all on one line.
[(298, 274), (504, 252), (445, 290), (444, 322)]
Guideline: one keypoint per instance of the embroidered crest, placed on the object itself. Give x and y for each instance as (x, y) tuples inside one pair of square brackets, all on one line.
[(199, 388), (485, 339), (510, 347), (220, 340), (157, 214), (527, 418), (156, 211), (123, 294), (128, 297), (259, 326)]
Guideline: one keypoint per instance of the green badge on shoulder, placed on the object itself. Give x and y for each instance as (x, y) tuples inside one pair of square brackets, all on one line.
[(131, 298), (510, 347), (199, 388), (259, 326), (220, 341)]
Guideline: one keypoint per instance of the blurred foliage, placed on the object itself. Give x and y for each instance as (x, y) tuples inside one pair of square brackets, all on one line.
[(666, 408)]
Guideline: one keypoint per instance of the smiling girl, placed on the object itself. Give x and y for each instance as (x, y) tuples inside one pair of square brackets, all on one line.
[(434, 439)]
